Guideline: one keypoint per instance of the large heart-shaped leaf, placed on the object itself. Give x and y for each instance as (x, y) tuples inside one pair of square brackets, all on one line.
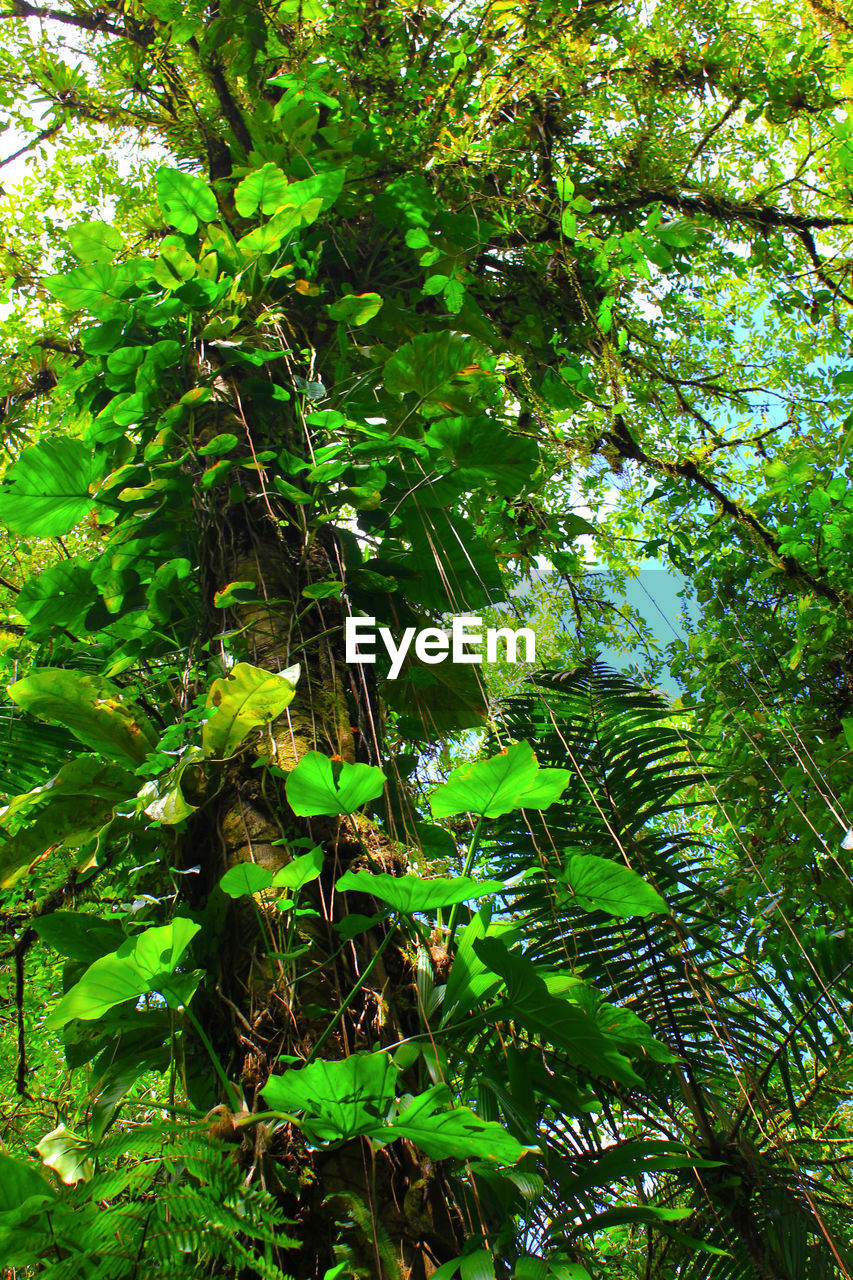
[(320, 786), (247, 697), (60, 596), (21, 1181), (600, 884), (356, 308), (94, 241), (265, 189), (440, 368), (300, 871), (46, 492), (412, 893), (245, 879), (78, 935), (185, 199), (139, 965), (489, 788), (92, 708), (98, 288), (340, 1099), (68, 1154)]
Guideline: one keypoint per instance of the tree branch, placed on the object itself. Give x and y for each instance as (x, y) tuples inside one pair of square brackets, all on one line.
[(625, 445)]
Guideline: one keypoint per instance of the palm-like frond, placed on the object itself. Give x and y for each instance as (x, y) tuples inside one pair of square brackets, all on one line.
[(30, 751), (691, 976)]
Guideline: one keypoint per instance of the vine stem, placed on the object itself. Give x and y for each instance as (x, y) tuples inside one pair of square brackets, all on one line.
[(466, 871), (353, 993), (230, 1089)]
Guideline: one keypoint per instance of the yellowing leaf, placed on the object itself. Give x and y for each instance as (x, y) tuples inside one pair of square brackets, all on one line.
[(247, 697)]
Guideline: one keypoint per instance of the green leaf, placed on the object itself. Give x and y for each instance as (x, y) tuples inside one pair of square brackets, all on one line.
[(484, 454), (79, 936), (46, 492), (600, 884), (91, 707), (247, 697), (94, 241), (60, 596), (139, 965), (68, 1154), (245, 879), (321, 187), (185, 199), (67, 820), (223, 443), (300, 871), (320, 786), (458, 1133), (340, 1100), (265, 189), (557, 1021), (442, 367), (83, 776), (99, 288), (356, 308), (490, 788), (21, 1181), (413, 893), (479, 1265)]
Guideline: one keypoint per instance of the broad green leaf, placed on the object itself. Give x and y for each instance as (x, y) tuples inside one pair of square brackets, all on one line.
[(70, 1155), (94, 241), (440, 367), (265, 189), (490, 788), (139, 965), (469, 976), (234, 593), (412, 893), (185, 199), (300, 871), (223, 443), (340, 1100), (245, 879), (247, 697), (356, 308), (67, 820), (484, 454), (554, 1019), (166, 803), (91, 707), (319, 785), (79, 936), (458, 1133), (46, 492), (600, 884), (20, 1181), (269, 237), (324, 188), (83, 776), (479, 1265), (98, 288)]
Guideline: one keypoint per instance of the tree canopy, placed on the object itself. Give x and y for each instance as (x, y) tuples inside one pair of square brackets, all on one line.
[(413, 312)]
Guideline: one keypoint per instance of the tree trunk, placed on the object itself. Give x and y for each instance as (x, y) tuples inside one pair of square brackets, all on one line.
[(390, 1210)]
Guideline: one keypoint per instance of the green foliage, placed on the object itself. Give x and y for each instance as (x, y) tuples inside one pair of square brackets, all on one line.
[(490, 788), (411, 284), (47, 490), (319, 785)]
